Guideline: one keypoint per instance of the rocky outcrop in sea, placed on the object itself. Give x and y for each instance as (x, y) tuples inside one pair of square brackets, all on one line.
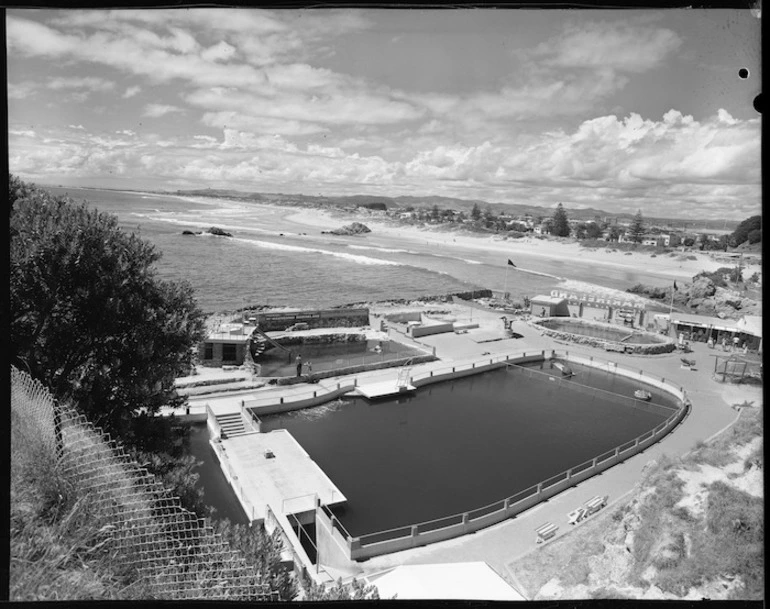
[(356, 228)]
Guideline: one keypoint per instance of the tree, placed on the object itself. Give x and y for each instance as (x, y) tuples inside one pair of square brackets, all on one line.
[(475, 212), (741, 233), (580, 230), (560, 225), (755, 236), (636, 230), (593, 230), (262, 552), (355, 591), (615, 232), (88, 315)]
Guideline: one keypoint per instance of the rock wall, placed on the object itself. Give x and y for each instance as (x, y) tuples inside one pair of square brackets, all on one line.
[(592, 341)]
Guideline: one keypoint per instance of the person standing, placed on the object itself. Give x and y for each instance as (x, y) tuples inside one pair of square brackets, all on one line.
[(736, 342), (299, 366)]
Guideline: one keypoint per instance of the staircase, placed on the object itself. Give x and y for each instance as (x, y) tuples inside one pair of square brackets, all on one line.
[(402, 382), (231, 424), (259, 345)]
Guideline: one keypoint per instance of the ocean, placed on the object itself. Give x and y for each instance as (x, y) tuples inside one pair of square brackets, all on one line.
[(272, 261)]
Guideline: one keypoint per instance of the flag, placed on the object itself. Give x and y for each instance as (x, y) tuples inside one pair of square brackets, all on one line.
[(511, 263)]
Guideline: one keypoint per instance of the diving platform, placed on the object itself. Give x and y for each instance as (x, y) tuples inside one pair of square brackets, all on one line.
[(272, 469), (384, 389)]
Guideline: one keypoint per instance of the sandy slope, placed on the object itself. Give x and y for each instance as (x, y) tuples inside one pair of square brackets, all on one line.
[(667, 267)]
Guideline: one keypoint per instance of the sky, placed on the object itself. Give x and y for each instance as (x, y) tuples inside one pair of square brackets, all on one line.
[(617, 110)]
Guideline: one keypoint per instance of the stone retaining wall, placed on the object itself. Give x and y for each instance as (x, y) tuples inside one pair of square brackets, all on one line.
[(603, 343)]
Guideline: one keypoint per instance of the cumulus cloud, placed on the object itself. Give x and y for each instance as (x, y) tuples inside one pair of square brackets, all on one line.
[(605, 45), (219, 52), (91, 83), (157, 110), (285, 117), (21, 90)]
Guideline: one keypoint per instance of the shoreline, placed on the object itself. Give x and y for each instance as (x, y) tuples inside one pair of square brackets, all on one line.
[(665, 266)]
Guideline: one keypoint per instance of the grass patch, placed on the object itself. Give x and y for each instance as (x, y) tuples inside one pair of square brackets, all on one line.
[(720, 452), (59, 549), (566, 558)]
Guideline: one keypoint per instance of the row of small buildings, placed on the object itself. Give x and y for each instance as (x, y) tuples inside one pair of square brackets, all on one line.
[(745, 332)]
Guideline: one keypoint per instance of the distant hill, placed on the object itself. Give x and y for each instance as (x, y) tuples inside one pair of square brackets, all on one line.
[(586, 214)]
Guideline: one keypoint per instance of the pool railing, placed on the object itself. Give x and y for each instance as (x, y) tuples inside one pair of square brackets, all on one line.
[(404, 537)]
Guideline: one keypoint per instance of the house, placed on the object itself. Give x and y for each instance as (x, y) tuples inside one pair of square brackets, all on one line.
[(226, 346), (549, 306), (668, 239)]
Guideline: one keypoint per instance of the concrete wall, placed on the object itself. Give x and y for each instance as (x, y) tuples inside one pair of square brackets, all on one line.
[(417, 331), (333, 548), (405, 317), (326, 318), (259, 407), (217, 359)]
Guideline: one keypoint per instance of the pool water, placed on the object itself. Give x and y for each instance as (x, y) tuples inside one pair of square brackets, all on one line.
[(217, 492), (329, 356), (462, 444), (617, 335)]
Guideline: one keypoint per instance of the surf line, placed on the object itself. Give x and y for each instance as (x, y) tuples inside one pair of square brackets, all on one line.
[(521, 270)]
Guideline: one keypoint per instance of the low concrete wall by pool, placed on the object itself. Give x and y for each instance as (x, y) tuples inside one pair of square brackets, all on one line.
[(656, 345), (417, 331)]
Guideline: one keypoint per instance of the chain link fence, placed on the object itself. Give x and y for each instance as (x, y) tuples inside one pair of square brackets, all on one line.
[(161, 545)]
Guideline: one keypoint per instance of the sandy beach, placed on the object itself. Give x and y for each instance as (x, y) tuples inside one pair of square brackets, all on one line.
[(680, 266)]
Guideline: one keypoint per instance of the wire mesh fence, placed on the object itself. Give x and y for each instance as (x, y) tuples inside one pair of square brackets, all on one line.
[(168, 548)]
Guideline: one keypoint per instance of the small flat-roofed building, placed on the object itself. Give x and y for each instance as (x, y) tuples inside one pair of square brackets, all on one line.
[(549, 306), (701, 328), (226, 346)]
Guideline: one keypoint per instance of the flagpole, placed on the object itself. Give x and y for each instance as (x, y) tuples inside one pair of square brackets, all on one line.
[(671, 308), (505, 285)]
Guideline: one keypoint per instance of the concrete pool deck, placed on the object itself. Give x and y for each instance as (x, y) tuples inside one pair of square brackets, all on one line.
[(501, 544)]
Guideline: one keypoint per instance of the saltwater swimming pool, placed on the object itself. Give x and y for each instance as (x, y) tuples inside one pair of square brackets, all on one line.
[(600, 334), (330, 356), (462, 444)]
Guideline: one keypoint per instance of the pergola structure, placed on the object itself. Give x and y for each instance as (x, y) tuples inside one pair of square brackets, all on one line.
[(737, 367)]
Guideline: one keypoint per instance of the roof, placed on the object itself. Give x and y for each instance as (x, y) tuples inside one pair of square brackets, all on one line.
[(751, 324), (547, 300), (704, 321), (451, 581), (748, 324), (232, 332)]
